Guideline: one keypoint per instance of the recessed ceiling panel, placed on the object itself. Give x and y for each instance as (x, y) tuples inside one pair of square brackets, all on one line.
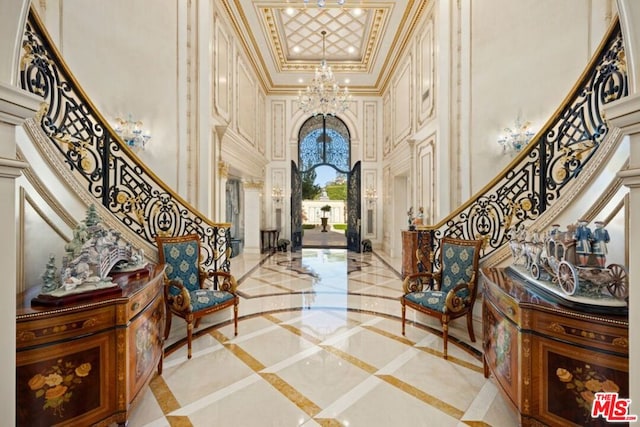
[(362, 38)]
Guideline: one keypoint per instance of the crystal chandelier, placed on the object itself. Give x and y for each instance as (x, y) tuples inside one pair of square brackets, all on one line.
[(131, 132), (324, 96)]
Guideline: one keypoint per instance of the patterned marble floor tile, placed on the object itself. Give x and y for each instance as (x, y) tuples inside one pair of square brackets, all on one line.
[(320, 344)]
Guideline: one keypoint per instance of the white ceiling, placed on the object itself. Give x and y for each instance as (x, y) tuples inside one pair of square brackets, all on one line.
[(363, 42)]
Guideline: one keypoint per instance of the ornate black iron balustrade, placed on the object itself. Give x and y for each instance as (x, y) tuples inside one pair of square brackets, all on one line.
[(553, 159), (97, 156)]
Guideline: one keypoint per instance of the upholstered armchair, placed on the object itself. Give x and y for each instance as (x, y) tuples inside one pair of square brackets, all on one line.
[(187, 293), (450, 292)]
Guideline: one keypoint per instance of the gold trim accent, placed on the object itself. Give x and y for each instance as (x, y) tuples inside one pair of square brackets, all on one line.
[(223, 169), (379, 17), (254, 185), (165, 398), (422, 396), (620, 342), (297, 398), (555, 327), (351, 359)]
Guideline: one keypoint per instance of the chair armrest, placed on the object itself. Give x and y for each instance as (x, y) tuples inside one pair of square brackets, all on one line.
[(226, 281), (416, 282), (180, 301), (456, 303)]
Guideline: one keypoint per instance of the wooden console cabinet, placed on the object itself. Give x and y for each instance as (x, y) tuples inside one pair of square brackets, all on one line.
[(84, 363), (548, 359), (416, 250)]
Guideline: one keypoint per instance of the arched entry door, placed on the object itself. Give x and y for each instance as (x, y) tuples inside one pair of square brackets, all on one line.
[(324, 141)]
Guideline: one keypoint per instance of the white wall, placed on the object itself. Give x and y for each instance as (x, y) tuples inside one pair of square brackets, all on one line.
[(525, 58), (472, 67), (124, 55)]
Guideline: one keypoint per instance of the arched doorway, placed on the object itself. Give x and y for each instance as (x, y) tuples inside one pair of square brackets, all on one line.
[(325, 141)]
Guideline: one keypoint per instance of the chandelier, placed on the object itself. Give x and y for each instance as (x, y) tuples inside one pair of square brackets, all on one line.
[(324, 96), (131, 132)]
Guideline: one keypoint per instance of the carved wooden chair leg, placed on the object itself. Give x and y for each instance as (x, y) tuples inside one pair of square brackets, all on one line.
[(235, 319), (189, 334), (470, 327), (404, 312), (197, 324), (445, 336), (167, 324), (486, 367)]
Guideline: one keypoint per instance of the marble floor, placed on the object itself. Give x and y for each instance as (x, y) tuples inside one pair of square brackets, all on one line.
[(320, 344)]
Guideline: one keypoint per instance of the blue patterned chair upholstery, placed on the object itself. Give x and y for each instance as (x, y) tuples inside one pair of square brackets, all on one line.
[(186, 292), (456, 290)]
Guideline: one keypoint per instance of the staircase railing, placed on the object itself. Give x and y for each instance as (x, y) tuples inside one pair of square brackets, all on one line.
[(554, 158), (97, 156), (525, 189)]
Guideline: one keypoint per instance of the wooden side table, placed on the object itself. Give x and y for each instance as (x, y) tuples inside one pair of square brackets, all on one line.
[(416, 249), (268, 239)]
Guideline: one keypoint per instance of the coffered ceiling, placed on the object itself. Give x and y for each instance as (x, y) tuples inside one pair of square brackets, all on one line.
[(364, 39)]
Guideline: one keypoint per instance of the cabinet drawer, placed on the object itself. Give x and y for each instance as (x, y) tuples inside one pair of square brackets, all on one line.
[(137, 303), (506, 305), (585, 331), (52, 328)]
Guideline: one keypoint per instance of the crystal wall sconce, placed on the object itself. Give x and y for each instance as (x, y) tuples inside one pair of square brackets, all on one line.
[(516, 138), (370, 195)]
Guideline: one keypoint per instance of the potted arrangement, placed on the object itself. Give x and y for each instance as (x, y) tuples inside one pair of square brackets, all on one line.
[(324, 219), (282, 244)]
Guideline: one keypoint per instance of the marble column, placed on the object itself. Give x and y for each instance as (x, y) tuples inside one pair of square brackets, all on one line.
[(625, 114), (252, 216), (15, 106), (221, 202)]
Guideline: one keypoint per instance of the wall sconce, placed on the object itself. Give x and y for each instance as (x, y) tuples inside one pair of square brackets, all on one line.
[(131, 132), (370, 195), (277, 195), (516, 138)]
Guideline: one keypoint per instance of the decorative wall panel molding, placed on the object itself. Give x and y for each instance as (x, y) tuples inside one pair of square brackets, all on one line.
[(261, 112), (370, 132), (426, 173), (246, 102), (426, 71), (278, 125), (402, 103), (223, 72), (387, 128)]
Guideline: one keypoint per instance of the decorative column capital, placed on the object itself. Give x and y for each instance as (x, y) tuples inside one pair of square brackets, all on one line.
[(223, 169), (253, 185)]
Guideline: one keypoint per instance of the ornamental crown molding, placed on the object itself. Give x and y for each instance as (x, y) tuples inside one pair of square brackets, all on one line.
[(253, 185)]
